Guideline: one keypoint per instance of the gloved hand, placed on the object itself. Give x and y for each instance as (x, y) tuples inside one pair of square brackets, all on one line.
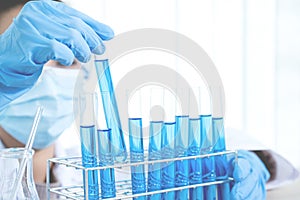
[(45, 30), (250, 176)]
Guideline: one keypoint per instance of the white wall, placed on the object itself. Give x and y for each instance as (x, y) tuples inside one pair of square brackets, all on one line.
[(255, 45)]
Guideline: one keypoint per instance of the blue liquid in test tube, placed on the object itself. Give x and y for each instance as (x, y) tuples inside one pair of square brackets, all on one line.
[(221, 161), (195, 166), (111, 109), (137, 155), (181, 148), (89, 159), (168, 152), (208, 163), (154, 170), (89, 145), (108, 188)]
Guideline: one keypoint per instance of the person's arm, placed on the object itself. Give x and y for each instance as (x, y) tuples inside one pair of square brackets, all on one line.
[(43, 31)]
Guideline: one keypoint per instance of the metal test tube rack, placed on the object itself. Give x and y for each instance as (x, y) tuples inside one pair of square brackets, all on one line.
[(123, 187)]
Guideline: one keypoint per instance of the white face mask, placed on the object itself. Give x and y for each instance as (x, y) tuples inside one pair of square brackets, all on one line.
[(54, 92)]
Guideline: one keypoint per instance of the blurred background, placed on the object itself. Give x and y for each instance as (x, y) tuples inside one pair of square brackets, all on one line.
[(254, 44)]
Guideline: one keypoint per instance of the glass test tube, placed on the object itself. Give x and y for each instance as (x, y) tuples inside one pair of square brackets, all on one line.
[(137, 155), (181, 147), (168, 168), (221, 161), (111, 109), (108, 188), (195, 166), (88, 145), (208, 163), (154, 170), (10, 161)]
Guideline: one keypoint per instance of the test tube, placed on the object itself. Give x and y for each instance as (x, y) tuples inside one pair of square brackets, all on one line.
[(154, 170), (108, 188), (168, 168), (208, 163), (221, 161), (195, 166), (137, 155), (181, 148), (111, 109), (88, 145)]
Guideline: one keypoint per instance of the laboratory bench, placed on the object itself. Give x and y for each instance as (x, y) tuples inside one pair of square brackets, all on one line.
[(290, 191)]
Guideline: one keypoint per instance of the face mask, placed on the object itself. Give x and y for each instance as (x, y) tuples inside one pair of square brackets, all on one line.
[(54, 92)]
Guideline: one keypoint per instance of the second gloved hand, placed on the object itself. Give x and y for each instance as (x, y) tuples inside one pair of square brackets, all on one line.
[(250, 177), (43, 31)]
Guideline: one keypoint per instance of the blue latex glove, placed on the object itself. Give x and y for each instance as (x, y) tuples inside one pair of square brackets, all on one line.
[(250, 176), (45, 30)]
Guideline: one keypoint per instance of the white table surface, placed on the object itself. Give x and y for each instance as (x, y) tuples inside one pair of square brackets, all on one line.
[(290, 191)]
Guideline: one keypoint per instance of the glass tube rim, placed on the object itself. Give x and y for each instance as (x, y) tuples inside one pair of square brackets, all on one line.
[(157, 121), (108, 130), (169, 123), (217, 118), (182, 116), (134, 118), (195, 119), (206, 115), (101, 60)]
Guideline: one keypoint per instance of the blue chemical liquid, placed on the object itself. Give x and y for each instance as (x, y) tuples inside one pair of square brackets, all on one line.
[(209, 175), (195, 166), (181, 178), (108, 188), (154, 177), (168, 175), (168, 168), (137, 155), (168, 180), (181, 148), (221, 161), (154, 170), (89, 159), (111, 110), (138, 175), (195, 178), (208, 164)]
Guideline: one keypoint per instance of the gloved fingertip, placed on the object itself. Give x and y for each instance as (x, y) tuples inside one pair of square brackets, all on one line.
[(68, 62), (99, 49), (108, 35), (241, 169), (84, 59), (105, 32), (234, 194)]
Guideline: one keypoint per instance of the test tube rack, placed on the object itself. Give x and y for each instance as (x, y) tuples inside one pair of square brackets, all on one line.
[(123, 187)]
